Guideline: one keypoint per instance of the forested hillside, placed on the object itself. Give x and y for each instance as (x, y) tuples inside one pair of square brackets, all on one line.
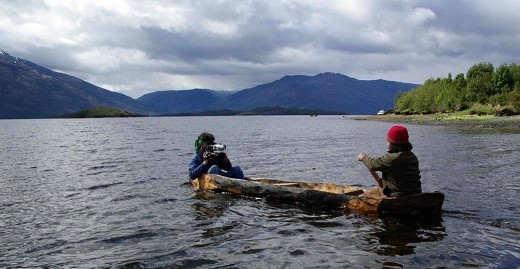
[(483, 90)]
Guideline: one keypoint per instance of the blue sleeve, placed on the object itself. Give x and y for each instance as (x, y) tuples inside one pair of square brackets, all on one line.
[(196, 167)]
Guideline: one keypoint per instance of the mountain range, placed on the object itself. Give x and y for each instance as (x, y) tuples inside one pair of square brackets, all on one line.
[(325, 91), (28, 90)]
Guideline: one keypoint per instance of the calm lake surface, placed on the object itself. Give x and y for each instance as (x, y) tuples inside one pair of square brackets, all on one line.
[(112, 193)]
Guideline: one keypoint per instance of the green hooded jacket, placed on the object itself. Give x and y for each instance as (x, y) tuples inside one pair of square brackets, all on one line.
[(401, 174)]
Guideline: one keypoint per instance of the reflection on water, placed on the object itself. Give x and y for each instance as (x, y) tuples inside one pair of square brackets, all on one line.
[(112, 193), (398, 235), (387, 236)]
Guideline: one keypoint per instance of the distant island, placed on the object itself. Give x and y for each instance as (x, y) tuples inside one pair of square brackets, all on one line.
[(268, 110), (102, 112), (108, 112)]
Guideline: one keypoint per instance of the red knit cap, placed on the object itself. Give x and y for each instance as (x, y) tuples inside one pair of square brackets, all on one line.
[(397, 135)]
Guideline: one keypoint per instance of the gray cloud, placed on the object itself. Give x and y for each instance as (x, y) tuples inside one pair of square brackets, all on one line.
[(136, 47)]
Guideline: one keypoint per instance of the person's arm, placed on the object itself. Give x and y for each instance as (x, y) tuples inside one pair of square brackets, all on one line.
[(367, 161), (197, 167), (224, 163)]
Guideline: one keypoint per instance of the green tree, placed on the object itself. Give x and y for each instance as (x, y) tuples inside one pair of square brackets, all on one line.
[(450, 80), (460, 85), (480, 83), (447, 99), (503, 79), (403, 101), (496, 90), (514, 97), (514, 69)]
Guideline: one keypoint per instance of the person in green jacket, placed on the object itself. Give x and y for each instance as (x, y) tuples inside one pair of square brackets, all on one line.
[(400, 167)]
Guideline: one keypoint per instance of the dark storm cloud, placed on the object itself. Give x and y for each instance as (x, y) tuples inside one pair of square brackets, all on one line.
[(140, 46)]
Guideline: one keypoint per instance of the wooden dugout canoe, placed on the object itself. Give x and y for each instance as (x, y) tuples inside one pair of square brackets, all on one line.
[(323, 195)]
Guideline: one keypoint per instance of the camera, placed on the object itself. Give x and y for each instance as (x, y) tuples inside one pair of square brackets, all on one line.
[(216, 151)]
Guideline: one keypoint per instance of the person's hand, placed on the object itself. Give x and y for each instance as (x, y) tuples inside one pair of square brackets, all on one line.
[(223, 162), (361, 156), (206, 156), (223, 157)]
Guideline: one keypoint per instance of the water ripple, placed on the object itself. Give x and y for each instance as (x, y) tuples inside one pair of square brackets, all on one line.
[(113, 193), (103, 186), (137, 236)]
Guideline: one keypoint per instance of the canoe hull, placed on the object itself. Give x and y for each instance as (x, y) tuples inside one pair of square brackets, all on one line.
[(323, 195)]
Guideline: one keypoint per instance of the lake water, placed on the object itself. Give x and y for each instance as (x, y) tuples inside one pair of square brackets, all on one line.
[(112, 193)]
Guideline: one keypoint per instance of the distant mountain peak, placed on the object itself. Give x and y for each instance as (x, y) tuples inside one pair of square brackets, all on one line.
[(328, 74), (6, 57), (4, 54), (33, 91), (325, 91), (320, 75)]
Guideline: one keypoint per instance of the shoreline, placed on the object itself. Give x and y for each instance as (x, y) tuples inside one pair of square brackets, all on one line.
[(469, 123)]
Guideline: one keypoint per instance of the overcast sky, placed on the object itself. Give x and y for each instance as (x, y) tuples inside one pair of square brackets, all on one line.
[(136, 47)]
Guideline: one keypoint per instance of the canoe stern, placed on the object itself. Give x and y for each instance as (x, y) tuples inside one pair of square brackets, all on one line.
[(425, 204)]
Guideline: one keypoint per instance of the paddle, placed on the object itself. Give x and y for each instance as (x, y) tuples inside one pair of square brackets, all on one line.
[(376, 177), (379, 180)]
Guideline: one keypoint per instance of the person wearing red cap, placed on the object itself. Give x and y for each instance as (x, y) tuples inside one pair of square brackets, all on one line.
[(400, 167)]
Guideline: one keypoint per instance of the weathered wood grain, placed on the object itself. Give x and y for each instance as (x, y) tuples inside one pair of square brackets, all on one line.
[(323, 195)]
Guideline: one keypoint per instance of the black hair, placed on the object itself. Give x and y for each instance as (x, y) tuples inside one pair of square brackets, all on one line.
[(394, 148), (206, 137), (203, 138)]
